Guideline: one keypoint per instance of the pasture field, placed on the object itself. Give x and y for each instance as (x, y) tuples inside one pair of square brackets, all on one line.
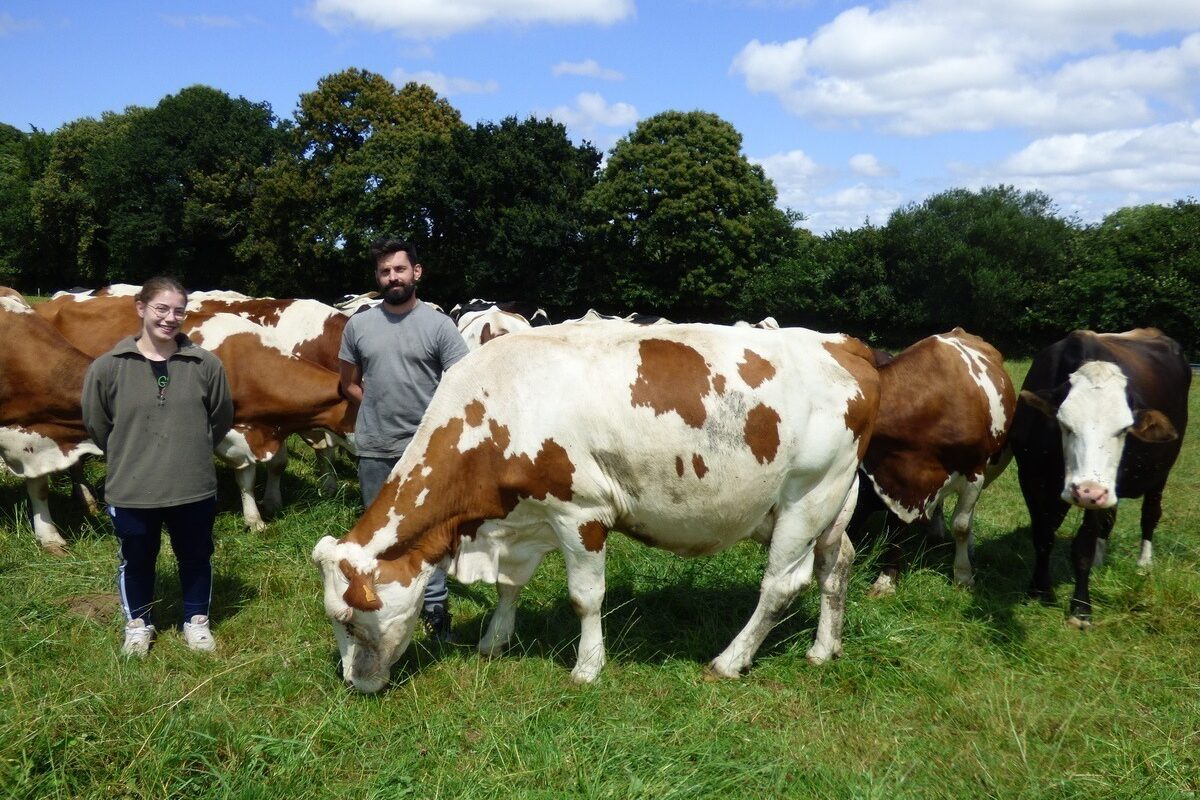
[(942, 692)]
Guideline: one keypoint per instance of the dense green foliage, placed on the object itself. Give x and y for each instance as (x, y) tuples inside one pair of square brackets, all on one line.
[(941, 692), (678, 221)]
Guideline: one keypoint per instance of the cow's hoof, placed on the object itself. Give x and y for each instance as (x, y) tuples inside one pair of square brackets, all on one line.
[(818, 655), (882, 587), (713, 674), (1079, 623), (1043, 596), (583, 677), (964, 581), (492, 651), (256, 526), (56, 549), (328, 486)]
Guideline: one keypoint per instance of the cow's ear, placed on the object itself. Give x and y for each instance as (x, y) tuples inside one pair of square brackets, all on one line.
[(1039, 401), (1153, 426), (360, 593)]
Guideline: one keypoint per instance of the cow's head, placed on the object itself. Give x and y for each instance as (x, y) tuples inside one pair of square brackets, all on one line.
[(1095, 415), (373, 623)]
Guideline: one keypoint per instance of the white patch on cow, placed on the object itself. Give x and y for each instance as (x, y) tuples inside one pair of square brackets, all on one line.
[(302, 321), (977, 368), (420, 501), (195, 298), (123, 289), (1094, 418), (471, 325), (14, 305), (212, 333), (29, 454)]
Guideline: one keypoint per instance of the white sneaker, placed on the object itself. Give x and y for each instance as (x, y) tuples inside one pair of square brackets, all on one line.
[(138, 638), (197, 635)]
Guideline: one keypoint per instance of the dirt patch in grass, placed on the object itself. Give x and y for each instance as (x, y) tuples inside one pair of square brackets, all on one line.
[(97, 605)]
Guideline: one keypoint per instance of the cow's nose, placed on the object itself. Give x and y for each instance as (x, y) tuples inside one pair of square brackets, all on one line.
[(1089, 494)]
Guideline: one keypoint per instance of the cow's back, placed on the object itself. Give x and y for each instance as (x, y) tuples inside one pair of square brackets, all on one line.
[(692, 422)]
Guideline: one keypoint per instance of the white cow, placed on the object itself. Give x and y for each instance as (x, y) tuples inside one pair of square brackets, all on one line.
[(480, 327), (687, 437)]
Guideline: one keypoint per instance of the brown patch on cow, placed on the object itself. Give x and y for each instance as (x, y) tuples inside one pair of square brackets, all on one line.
[(671, 377), (679, 466), (486, 334), (754, 369), (719, 384), (593, 534), (473, 413), (360, 593), (934, 421), (698, 465), (464, 489), (861, 410), (762, 432)]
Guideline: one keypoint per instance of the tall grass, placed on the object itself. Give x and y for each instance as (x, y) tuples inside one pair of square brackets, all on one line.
[(942, 692)]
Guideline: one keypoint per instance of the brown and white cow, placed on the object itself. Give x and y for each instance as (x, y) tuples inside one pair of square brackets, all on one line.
[(945, 407), (274, 389), (688, 438), (41, 424), (1102, 416)]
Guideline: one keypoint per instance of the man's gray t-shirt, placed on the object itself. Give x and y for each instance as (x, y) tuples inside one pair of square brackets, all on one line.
[(402, 358)]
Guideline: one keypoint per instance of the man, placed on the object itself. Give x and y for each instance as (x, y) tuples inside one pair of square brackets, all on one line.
[(392, 359)]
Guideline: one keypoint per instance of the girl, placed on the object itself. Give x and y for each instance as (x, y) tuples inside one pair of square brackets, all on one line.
[(157, 405)]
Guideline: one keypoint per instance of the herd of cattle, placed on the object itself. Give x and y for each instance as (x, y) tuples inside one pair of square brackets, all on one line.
[(684, 437)]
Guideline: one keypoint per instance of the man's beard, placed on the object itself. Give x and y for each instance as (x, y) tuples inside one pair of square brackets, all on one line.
[(399, 295)]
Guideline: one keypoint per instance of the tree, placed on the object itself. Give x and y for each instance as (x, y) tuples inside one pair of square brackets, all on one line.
[(72, 202), (354, 151), (23, 159), (505, 201), (182, 179), (1139, 267), (679, 219), (981, 260)]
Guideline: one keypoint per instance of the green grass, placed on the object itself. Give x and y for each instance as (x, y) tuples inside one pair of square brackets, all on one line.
[(941, 692)]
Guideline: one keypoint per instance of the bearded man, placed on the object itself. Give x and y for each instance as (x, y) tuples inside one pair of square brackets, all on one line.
[(392, 359)]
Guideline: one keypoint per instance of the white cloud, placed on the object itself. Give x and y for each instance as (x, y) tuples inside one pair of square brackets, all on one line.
[(794, 175), (591, 113), (587, 69), (850, 207), (1154, 160), (418, 19), (919, 67), (445, 85), (869, 166)]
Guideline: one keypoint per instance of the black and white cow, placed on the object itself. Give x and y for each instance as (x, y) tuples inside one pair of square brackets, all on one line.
[(1101, 416)]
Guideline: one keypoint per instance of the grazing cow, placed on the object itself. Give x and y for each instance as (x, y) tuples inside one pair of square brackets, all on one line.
[(536, 317), (945, 407), (41, 424), (1102, 416), (687, 438), (480, 327)]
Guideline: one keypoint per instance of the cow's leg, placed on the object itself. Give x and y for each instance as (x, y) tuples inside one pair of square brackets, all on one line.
[(1083, 553), (244, 475), (585, 584), (43, 526), (504, 619), (1046, 513), (323, 451), (960, 524), (936, 529), (272, 496), (833, 556), (83, 494), (1151, 514), (893, 557), (789, 569), (514, 575)]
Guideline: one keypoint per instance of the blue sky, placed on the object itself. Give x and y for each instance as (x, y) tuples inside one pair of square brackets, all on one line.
[(852, 109)]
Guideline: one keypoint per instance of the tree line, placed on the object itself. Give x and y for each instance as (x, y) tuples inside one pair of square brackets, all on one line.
[(222, 193)]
